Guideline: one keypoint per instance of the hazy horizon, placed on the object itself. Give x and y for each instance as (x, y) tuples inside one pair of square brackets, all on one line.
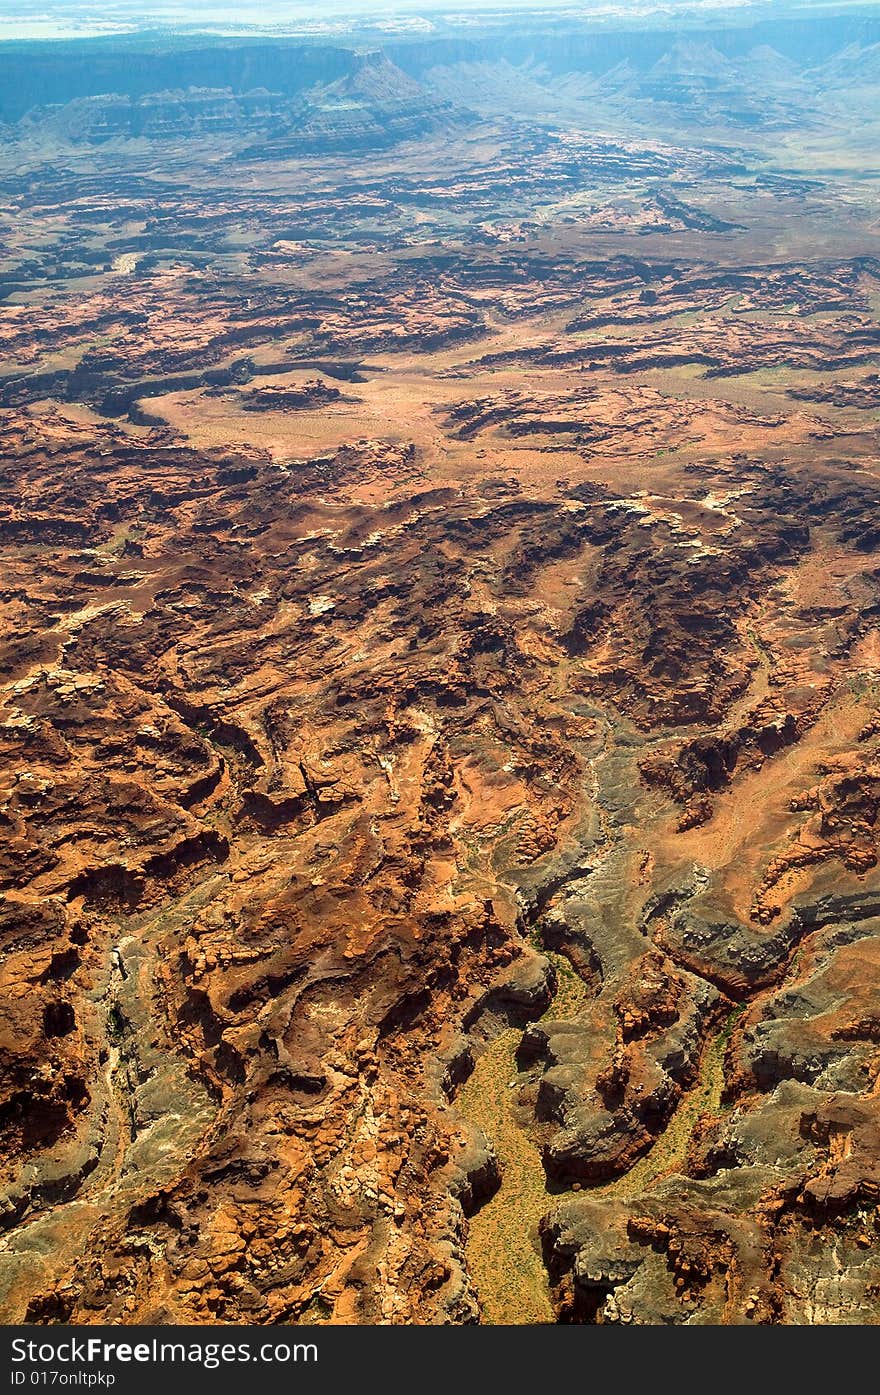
[(66, 19)]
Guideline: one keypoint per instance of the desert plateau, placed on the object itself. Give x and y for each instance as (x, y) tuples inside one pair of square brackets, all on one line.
[(440, 702)]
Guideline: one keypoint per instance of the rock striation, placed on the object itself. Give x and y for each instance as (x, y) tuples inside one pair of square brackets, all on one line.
[(439, 767)]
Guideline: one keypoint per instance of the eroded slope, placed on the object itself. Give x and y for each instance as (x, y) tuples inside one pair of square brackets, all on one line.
[(440, 730)]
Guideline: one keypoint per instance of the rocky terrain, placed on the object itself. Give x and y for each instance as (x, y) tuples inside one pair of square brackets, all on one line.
[(440, 702)]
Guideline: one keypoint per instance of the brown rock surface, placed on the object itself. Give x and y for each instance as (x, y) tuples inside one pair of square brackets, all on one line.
[(439, 723)]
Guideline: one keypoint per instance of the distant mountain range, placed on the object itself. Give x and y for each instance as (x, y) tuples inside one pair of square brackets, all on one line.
[(373, 105), (282, 98)]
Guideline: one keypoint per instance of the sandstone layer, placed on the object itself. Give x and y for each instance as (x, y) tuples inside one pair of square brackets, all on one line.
[(441, 703)]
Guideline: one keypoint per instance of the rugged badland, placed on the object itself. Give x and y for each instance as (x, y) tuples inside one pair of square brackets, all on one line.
[(440, 512)]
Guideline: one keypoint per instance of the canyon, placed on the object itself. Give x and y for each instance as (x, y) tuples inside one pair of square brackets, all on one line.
[(440, 704)]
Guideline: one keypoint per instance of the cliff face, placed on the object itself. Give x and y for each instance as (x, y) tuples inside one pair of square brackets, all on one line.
[(43, 74), (440, 716), (169, 115), (373, 105)]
